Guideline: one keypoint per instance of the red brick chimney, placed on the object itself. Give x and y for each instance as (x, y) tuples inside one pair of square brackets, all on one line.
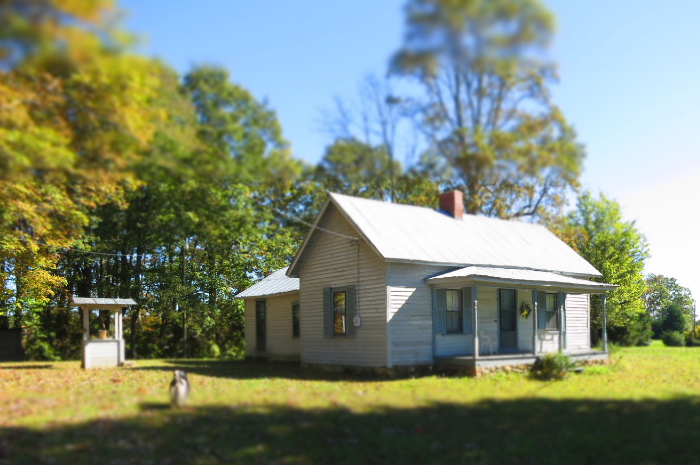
[(452, 203)]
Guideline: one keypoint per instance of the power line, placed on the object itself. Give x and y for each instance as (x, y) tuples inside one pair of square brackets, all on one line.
[(312, 226), (106, 254)]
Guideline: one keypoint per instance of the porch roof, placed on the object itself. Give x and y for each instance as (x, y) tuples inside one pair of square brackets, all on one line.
[(518, 277), (275, 283)]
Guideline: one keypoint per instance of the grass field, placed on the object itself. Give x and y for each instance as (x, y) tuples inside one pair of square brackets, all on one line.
[(645, 410)]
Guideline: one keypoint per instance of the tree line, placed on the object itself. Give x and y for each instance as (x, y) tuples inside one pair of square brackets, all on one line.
[(120, 178)]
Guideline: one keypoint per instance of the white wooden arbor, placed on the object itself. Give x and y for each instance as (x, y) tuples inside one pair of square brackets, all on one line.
[(103, 353)]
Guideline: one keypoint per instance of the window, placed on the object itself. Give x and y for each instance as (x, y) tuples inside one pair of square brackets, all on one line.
[(296, 330), (453, 310), (339, 312), (453, 315), (551, 314)]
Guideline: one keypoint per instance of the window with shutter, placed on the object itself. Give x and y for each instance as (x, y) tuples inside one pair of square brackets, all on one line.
[(453, 311), (551, 311), (339, 311)]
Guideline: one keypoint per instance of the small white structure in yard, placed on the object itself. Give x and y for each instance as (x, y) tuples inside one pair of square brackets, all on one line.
[(106, 352)]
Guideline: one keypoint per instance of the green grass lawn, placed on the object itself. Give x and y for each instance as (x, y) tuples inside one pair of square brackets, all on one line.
[(646, 410)]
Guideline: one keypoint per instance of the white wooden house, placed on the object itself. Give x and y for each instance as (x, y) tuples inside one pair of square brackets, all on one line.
[(378, 284)]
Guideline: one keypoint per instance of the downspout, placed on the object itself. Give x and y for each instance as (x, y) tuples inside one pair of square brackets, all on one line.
[(535, 301), (476, 324), (605, 331)]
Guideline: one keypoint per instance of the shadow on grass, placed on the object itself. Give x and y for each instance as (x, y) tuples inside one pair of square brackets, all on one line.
[(10, 366), (533, 431), (153, 406), (251, 369)]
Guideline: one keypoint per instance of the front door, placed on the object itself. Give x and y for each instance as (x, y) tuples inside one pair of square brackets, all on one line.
[(260, 331), (508, 318)]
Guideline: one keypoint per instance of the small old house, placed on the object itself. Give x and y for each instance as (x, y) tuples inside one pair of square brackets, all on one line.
[(379, 284)]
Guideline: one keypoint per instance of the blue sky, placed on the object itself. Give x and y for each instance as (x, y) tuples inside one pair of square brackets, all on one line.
[(630, 85)]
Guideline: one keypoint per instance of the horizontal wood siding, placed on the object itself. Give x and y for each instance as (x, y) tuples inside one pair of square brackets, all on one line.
[(280, 342), (102, 354), (410, 314), (547, 341), (333, 262), (577, 322)]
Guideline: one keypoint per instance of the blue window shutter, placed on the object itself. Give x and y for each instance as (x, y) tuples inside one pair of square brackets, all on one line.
[(542, 310), (440, 303), (350, 311), (327, 313), (467, 310)]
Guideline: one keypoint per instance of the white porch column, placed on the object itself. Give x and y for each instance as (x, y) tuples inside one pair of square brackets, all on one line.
[(120, 315), (562, 321), (86, 334), (535, 303), (475, 325), (603, 298)]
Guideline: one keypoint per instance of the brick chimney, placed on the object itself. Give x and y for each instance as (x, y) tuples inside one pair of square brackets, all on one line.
[(452, 203)]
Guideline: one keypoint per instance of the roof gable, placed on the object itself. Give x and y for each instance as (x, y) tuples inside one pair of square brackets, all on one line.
[(408, 233)]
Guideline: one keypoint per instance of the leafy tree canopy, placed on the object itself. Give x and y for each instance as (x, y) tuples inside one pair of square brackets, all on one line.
[(596, 230), (490, 126)]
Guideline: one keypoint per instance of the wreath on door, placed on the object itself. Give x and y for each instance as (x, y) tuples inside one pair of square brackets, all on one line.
[(525, 310)]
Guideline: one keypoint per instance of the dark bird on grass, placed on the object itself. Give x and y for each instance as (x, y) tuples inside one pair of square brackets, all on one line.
[(179, 389)]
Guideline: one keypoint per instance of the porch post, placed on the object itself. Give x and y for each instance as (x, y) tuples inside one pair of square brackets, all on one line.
[(86, 333), (560, 316), (603, 298), (562, 321), (475, 325), (534, 321)]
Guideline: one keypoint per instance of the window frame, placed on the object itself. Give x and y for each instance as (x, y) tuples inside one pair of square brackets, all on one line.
[(343, 291), (458, 311), (555, 312), (350, 312)]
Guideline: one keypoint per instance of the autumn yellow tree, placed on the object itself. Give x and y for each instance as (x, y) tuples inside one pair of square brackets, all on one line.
[(75, 116)]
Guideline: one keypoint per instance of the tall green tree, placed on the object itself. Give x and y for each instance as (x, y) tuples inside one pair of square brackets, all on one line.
[(661, 294), (490, 126), (597, 231), (75, 115)]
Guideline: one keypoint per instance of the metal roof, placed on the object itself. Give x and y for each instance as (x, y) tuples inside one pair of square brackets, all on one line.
[(102, 301), (408, 233), (511, 276), (276, 283)]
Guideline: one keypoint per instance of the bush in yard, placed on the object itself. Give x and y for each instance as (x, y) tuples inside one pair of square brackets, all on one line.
[(692, 339), (552, 367), (673, 338), (674, 319), (637, 332)]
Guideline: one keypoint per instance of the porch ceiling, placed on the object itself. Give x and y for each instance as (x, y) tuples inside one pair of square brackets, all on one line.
[(517, 277)]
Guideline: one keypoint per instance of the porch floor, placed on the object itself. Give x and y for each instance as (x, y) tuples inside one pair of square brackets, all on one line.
[(518, 358)]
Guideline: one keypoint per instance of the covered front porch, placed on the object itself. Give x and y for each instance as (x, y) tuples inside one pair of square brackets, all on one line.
[(489, 317)]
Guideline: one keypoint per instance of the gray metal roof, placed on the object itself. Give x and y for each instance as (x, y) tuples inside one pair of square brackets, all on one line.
[(102, 301), (276, 283), (408, 233), (477, 274)]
